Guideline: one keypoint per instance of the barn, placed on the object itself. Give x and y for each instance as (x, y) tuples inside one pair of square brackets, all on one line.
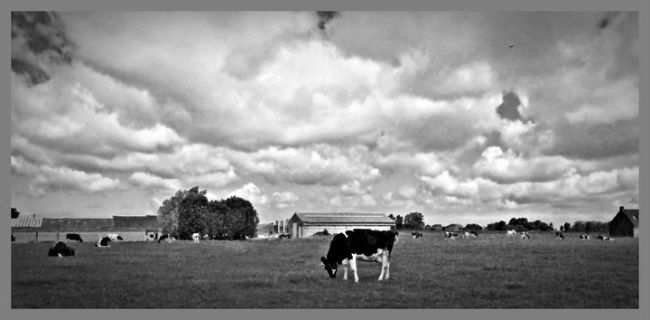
[(306, 224), (130, 228), (625, 223)]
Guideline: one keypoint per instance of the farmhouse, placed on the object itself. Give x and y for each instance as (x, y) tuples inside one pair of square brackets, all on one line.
[(625, 223), (305, 224), (130, 228)]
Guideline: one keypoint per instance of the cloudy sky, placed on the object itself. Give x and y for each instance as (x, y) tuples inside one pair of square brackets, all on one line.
[(463, 116)]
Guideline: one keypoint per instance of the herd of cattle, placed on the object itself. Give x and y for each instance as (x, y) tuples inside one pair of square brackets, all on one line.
[(345, 248)]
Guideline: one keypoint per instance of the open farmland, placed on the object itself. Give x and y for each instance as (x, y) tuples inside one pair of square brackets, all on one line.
[(489, 272)]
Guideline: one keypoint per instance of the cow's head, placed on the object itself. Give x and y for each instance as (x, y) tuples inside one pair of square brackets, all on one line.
[(330, 267)]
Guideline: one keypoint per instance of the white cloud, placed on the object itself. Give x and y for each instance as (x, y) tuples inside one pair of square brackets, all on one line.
[(508, 167), (144, 179), (284, 199), (252, 193)]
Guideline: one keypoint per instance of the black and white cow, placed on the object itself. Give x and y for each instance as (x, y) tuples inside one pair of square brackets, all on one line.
[(559, 235), (474, 234), (60, 249), (525, 235), (367, 245), (167, 238), (450, 235), (73, 237), (416, 234), (114, 236), (103, 242), (585, 237)]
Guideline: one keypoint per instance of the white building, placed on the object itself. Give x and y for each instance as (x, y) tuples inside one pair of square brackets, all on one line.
[(306, 224)]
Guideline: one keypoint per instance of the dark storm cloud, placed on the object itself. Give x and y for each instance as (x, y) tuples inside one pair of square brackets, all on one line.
[(324, 17), (508, 109), (597, 141), (41, 34)]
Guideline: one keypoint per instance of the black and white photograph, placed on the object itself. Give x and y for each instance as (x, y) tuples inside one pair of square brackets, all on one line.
[(324, 160)]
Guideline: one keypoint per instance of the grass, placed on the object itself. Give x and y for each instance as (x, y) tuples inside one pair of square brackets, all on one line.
[(489, 272)]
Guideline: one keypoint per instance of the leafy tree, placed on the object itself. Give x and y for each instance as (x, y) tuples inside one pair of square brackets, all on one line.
[(243, 218), (168, 213), (414, 221), (391, 216), (193, 213), (14, 213), (578, 226), (473, 227), (567, 226), (497, 226)]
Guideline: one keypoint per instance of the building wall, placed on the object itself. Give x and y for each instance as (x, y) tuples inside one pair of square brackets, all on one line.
[(621, 226), (308, 231), (129, 236)]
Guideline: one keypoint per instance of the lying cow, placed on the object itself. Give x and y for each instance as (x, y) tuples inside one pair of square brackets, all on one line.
[(416, 234), (559, 235), (73, 237), (585, 237), (167, 238), (605, 238), (103, 242), (368, 245), (195, 237), (60, 249)]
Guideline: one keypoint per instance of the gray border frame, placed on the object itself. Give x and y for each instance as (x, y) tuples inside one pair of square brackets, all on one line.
[(411, 5)]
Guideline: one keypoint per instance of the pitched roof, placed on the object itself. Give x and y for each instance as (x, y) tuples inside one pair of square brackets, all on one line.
[(75, 224), (31, 222), (347, 218), (147, 222)]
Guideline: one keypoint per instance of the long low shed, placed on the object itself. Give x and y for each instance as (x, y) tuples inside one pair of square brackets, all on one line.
[(306, 224)]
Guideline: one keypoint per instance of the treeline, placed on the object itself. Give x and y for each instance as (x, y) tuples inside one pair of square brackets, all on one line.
[(586, 226), (189, 211), (520, 224)]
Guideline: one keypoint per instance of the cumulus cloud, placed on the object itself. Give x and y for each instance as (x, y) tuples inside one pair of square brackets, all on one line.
[(252, 193), (45, 178), (508, 167), (284, 199)]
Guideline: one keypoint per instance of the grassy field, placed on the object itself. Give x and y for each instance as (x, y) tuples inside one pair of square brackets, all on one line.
[(489, 272)]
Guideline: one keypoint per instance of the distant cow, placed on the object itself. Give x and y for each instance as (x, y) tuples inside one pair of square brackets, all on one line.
[(474, 234), (73, 237), (585, 237), (368, 245), (195, 237), (559, 235), (525, 235), (450, 235), (114, 236), (60, 249), (511, 233), (416, 234), (167, 238), (13, 238), (284, 236), (103, 242), (600, 237)]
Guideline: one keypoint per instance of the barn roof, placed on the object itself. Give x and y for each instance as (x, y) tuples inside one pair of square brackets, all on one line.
[(31, 222), (346, 218), (149, 222), (75, 224)]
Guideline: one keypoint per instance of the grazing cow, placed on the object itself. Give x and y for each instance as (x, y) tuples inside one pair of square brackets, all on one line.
[(195, 237), (605, 238), (559, 235), (103, 242), (450, 235), (368, 245), (73, 237), (114, 236), (525, 235), (60, 249), (416, 234), (474, 234), (284, 236), (511, 233), (585, 237)]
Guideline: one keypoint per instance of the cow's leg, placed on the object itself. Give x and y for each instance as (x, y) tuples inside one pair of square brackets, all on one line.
[(353, 266), (344, 263), (384, 264)]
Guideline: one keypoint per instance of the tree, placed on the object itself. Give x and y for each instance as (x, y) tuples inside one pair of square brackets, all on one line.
[(398, 222), (473, 227), (414, 221), (497, 226), (567, 227), (391, 216), (243, 218), (168, 213), (193, 214), (14, 213)]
